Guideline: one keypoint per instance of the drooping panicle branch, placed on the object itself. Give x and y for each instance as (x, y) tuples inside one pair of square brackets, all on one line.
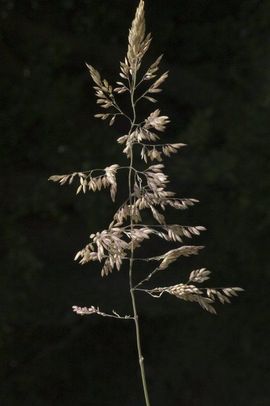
[(83, 311)]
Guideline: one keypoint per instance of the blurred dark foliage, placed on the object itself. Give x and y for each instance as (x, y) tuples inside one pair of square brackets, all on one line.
[(218, 98)]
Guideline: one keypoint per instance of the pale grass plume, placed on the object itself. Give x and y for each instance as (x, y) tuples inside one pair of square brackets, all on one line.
[(115, 247)]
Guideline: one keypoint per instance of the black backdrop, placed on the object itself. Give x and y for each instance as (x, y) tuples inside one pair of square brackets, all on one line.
[(217, 97)]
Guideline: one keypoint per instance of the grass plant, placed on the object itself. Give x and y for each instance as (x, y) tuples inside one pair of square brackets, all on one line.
[(146, 191)]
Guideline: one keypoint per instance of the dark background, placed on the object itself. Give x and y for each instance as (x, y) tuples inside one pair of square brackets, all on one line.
[(218, 99)]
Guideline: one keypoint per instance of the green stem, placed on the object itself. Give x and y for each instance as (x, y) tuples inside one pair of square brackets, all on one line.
[(131, 260)]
